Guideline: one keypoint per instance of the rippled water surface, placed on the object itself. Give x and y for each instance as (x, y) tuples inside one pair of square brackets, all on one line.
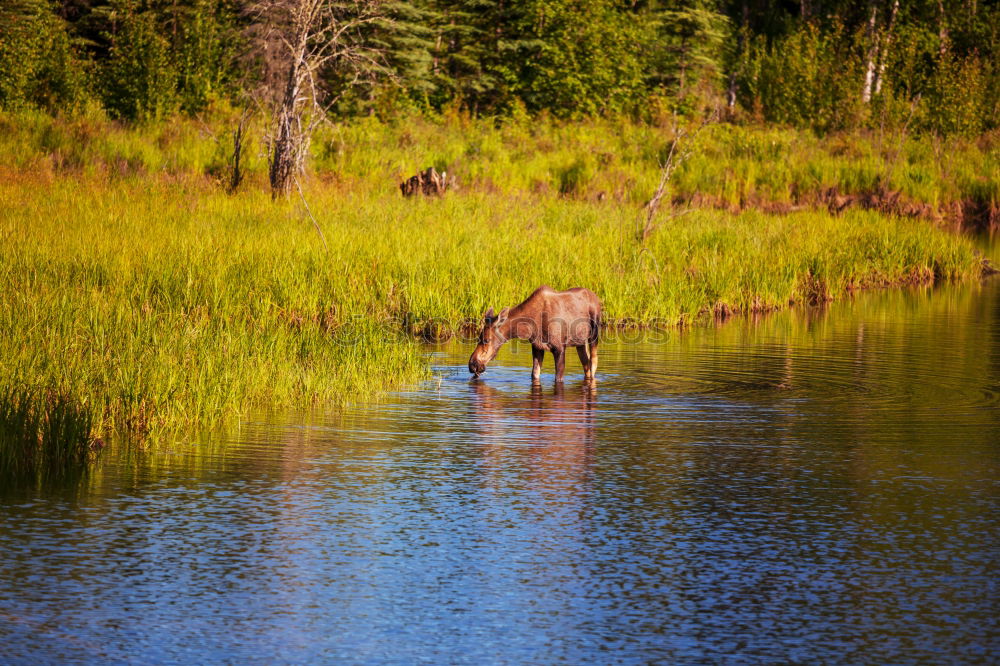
[(813, 486)]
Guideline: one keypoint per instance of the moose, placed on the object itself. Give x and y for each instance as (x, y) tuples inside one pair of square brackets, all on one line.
[(551, 321)]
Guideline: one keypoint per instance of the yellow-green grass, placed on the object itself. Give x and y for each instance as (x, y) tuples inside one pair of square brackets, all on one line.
[(732, 166), (156, 303)]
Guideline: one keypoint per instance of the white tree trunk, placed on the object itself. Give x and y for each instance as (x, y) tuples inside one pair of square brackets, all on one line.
[(883, 51), (741, 48), (943, 28), (866, 90)]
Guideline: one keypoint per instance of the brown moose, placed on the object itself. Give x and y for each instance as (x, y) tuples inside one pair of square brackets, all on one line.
[(551, 321)]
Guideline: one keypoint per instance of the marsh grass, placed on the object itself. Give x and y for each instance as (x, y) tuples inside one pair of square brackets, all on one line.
[(151, 301), (733, 167), (155, 304), (44, 436)]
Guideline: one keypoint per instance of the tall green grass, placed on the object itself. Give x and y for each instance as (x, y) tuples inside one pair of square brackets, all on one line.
[(44, 436), (165, 307), (157, 303), (137, 297), (732, 166)]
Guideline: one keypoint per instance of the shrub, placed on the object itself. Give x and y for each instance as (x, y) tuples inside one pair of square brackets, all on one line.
[(139, 79), (808, 79), (38, 67)]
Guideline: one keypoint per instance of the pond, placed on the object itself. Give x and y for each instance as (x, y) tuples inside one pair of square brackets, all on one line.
[(813, 485)]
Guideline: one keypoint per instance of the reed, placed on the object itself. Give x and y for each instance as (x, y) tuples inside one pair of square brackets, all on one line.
[(44, 436)]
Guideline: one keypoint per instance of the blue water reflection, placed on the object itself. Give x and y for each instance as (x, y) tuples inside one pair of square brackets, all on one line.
[(814, 486)]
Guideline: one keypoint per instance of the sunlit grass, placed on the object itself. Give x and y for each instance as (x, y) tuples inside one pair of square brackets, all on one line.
[(616, 159), (155, 304), (138, 296)]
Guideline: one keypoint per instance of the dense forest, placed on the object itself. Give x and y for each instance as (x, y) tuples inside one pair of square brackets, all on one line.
[(822, 64)]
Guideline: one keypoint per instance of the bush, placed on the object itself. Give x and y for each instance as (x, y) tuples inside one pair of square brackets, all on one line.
[(575, 63), (38, 67), (140, 81), (205, 54), (955, 103), (808, 79)]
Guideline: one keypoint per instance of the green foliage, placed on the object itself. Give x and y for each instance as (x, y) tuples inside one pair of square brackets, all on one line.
[(461, 58), (807, 79), (406, 37), (205, 53), (956, 100), (575, 57), (38, 66), (802, 65), (692, 42), (568, 57), (934, 87), (140, 81)]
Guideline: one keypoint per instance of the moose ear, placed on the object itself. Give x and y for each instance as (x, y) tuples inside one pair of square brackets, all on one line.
[(503, 316), (489, 314)]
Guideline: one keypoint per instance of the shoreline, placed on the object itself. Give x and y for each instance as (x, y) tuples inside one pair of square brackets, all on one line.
[(157, 305)]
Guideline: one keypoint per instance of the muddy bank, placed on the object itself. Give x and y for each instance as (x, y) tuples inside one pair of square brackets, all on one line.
[(969, 214)]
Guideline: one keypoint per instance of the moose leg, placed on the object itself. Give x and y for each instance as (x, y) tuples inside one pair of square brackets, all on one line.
[(559, 354), (584, 359), (537, 356), (593, 360)]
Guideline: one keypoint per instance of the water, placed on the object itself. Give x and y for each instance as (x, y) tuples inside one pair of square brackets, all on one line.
[(817, 485)]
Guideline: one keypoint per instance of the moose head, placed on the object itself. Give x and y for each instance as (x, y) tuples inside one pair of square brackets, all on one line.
[(491, 338)]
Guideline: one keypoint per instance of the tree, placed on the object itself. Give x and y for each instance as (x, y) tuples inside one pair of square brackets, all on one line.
[(879, 41), (303, 44), (464, 51), (140, 81), (573, 57), (38, 65), (406, 37), (690, 46), (205, 44)]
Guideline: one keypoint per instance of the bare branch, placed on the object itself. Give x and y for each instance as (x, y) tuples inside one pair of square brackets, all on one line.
[(674, 159), (315, 223)]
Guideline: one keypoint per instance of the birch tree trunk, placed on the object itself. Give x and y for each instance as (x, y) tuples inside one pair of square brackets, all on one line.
[(943, 28), (872, 34), (741, 48), (878, 49), (883, 50)]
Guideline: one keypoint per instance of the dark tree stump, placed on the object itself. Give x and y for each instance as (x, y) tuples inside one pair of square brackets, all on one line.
[(429, 183)]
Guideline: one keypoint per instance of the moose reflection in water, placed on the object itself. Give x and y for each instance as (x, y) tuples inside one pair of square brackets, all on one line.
[(546, 436), (551, 321)]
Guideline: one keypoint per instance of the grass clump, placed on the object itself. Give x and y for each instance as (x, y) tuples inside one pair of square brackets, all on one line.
[(44, 436), (163, 308)]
